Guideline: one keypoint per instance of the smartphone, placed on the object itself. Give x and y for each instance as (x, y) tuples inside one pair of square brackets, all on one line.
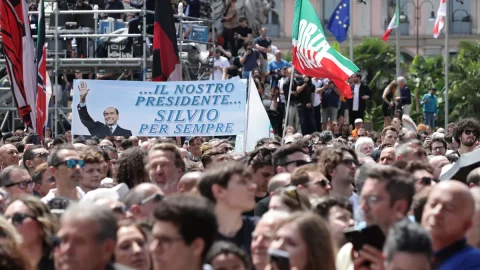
[(279, 259), (371, 235)]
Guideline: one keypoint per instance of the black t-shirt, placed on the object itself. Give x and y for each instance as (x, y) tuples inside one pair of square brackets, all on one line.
[(306, 95), (267, 42), (243, 238), (114, 5), (242, 31), (257, 200), (262, 207), (286, 90)]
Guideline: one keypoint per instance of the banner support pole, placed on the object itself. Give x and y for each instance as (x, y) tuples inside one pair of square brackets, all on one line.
[(245, 137), (181, 44), (144, 39), (54, 88), (288, 105)]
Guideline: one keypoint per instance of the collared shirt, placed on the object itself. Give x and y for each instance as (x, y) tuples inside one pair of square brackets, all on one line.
[(112, 127), (458, 255), (431, 105), (356, 97)]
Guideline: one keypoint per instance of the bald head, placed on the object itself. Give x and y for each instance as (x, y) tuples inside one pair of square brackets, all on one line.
[(105, 142), (79, 147), (8, 155), (279, 180), (437, 163), (188, 181), (448, 213), (146, 145), (410, 135), (473, 235)]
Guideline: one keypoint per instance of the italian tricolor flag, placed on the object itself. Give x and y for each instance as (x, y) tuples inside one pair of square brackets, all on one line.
[(392, 25), (311, 53)]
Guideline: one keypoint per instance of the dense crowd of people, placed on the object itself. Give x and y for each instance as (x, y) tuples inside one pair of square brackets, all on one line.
[(338, 199)]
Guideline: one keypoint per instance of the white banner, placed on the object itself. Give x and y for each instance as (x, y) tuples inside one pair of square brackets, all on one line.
[(185, 108)]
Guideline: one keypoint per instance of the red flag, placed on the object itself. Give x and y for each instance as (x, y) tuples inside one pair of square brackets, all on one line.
[(166, 62), (41, 102), (20, 57)]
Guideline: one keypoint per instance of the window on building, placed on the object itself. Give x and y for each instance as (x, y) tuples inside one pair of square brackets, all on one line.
[(460, 18)]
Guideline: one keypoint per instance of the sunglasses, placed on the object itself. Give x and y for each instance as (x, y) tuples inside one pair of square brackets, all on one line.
[(43, 155), (18, 218), (298, 163), (349, 162), (21, 185), (155, 197), (469, 132), (323, 183), (427, 180), (292, 192), (119, 210), (72, 163)]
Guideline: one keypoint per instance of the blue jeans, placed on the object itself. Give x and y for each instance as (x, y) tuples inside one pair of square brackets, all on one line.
[(429, 119), (245, 74)]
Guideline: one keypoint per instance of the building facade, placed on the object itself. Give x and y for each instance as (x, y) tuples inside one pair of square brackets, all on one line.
[(371, 17)]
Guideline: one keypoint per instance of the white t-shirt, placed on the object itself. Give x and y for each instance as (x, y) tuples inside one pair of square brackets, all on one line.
[(53, 193), (356, 97), (317, 98), (221, 62)]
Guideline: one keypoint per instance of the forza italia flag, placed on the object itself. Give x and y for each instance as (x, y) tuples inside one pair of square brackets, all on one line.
[(311, 53)]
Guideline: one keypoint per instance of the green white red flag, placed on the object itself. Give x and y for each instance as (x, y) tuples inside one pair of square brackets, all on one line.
[(311, 53), (392, 25)]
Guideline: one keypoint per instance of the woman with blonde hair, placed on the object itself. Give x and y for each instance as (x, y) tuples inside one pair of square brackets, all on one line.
[(306, 239), (11, 255), (389, 102), (34, 222)]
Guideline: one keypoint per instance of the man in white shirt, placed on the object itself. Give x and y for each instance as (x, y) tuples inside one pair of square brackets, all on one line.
[(361, 93), (219, 66), (317, 104)]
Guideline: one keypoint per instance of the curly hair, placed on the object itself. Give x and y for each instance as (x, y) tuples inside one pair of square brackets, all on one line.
[(463, 124), (131, 167)]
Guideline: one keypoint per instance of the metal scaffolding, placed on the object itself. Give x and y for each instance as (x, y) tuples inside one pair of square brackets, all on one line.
[(57, 63)]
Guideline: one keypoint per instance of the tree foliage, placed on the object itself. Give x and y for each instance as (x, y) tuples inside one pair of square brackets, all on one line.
[(376, 60)]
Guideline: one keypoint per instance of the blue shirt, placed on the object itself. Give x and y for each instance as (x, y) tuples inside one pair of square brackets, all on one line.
[(405, 95), (431, 106), (251, 61), (459, 255), (274, 65), (330, 98)]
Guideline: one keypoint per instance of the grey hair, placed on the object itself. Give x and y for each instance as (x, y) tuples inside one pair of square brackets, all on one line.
[(361, 141), (401, 79), (6, 174), (404, 148), (100, 214), (362, 174)]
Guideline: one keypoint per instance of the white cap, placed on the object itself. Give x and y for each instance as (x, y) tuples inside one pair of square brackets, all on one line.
[(358, 120)]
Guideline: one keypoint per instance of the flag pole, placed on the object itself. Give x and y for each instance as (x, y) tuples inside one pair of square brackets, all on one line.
[(288, 105), (350, 30), (397, 38), (447, 55)]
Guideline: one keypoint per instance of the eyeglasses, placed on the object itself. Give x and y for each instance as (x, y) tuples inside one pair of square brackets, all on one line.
[(43, 155), (298, 163), (371, 200), (292, 192), (120, 209), (72, 163), (260, 152), (18, 218), (469, 132), (426, 181), (349, 162), (21, 185), (323, 183), (155, 197)]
